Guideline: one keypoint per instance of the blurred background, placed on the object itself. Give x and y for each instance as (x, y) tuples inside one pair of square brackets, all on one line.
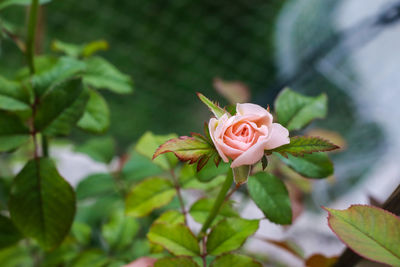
[(172, 49)]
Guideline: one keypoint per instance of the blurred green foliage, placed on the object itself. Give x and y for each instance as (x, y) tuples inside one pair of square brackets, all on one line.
[(171, 49)]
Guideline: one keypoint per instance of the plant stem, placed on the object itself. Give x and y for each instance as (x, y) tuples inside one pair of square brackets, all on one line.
[(30, 40), (178, 193), (217, 204), (30, 57)]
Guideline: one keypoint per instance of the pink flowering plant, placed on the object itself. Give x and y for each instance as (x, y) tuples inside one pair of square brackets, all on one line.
[(145, 207), (243, 140)]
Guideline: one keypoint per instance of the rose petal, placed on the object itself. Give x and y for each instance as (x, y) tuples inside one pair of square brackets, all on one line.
[(252, 155), (264, 117), (279, 136), (212, 125)]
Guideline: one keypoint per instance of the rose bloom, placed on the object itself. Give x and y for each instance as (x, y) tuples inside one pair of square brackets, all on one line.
[(244, 136)]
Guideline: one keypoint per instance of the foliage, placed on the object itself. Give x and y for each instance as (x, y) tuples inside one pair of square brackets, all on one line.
[(138, 207), (369, 231)]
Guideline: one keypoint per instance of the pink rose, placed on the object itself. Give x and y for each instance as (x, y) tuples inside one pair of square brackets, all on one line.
[(244, 136)]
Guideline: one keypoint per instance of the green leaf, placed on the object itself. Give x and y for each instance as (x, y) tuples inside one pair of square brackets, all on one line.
[(214, 108), (101, 74), (81, 232), (149, 143), (176, 238), (174, 262), (370, 231), (13, 96), (230, 234), (210, 171), (139, 167), (271, 196), (42, 203), (148, 195), (93, 212), (300, 145), (92, 258), (101, 149), (16, 256), (192, 149), (62, 70), (295, 111), (9, 234), (234, 260), (71, 50), (95, 185), (120, 230), (61, 108), (315, 165), (171, 217), (93, 47), (7, 3), (96, 118), (201, 208), (13, 132)]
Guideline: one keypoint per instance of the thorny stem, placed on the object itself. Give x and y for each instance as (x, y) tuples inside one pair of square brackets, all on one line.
[(178, 193), (117, 175), (30, 57), (204, 252), (228, 196), (217, 204), (30, 41)]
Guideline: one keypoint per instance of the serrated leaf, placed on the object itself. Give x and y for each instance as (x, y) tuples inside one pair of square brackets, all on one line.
[(174, 262), (300, 145), (185, 148), (149, 143), (230, 234), (171, 217), (101, 149), (96, 118), (201, 208), (101, 74), (234, 260), (176, 238), (148, 195), (13, 96), (7, 3), (295, 111), (61, 108), (315, 165), (62, 70), (271, 196), (214, 108), (13, 132), (42, 203), (119, 231), (370, 231), (9, 234)]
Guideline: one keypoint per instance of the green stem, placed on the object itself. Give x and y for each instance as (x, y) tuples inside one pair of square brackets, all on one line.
[(30, 56), (217, 204), (45, 146), (30, 40)]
